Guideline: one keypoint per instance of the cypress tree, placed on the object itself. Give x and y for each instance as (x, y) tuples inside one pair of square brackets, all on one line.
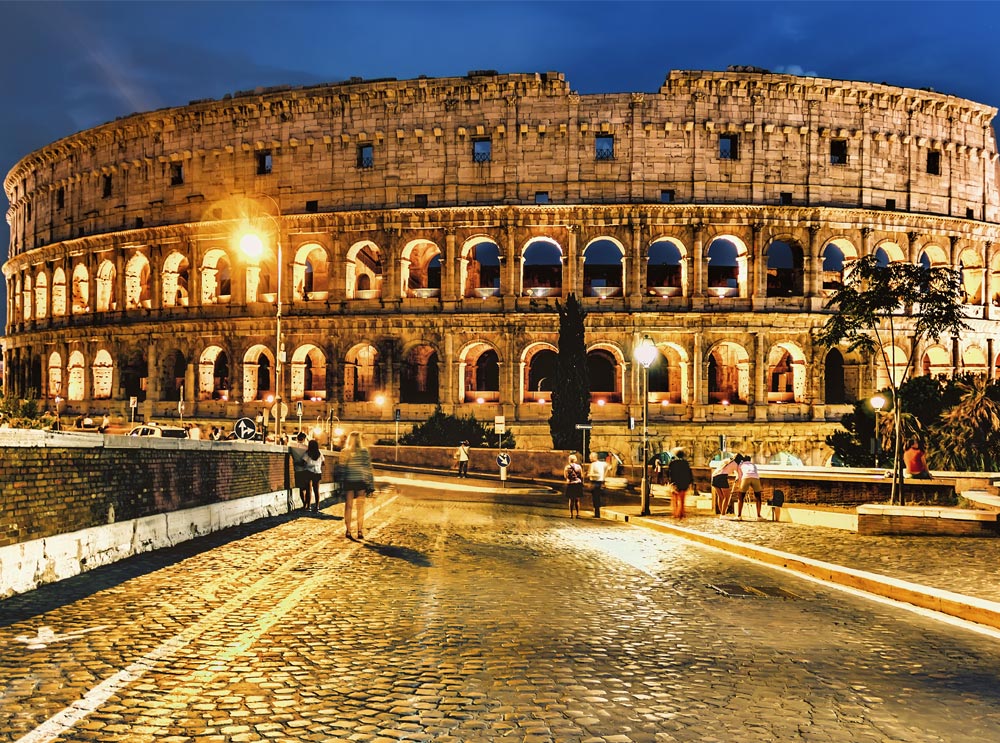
[(571, 392)]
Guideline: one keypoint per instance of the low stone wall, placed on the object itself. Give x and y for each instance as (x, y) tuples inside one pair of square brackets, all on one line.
[(544, 464)]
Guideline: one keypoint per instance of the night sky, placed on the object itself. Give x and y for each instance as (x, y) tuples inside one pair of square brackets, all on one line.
[(71, 66)]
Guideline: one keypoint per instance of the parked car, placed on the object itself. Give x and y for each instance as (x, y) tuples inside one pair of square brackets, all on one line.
[(153, 429)]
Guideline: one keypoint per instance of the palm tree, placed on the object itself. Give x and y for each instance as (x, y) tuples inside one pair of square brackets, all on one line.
[(967, 439)]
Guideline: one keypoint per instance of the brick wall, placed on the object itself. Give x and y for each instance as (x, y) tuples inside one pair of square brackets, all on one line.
[(48, 489)]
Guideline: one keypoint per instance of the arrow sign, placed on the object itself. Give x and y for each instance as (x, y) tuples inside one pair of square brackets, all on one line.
[(503, 460), (245, 429), (584, 426)]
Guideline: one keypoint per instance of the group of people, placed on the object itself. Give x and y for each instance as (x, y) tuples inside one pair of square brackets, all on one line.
[(737, 474), (352, 471), (573, 474)]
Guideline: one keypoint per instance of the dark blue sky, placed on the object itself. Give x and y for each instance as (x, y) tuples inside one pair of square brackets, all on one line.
[(70, 66)]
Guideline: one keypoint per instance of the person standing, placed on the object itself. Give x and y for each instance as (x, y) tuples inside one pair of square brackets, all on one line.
[(597, 473), (358, 478), (916, 464), (297, 451), (462, 455), (720, 484), (747, 478), (313, 461), (679, 478), (573, 474)]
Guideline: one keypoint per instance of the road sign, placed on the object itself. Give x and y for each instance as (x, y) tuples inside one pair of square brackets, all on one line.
[(396, 415), (133, 402), (499, 425), (284, 411), (298, 409), (503, 460), (245, 429), (584, 426)]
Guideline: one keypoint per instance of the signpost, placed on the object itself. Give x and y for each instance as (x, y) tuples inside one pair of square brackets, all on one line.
[(584, 427), (133, 403), (397, 416), (503, 462), (298, 412)]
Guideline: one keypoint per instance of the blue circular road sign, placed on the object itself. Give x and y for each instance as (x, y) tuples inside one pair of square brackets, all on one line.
[(245, 429), (503, 460)]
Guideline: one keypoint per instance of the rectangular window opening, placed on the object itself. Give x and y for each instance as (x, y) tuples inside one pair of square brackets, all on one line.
[(264, 162), (934, 162), (176, 174), (838, 152), (420, 200), (106, 185), (366, 156), (482, 150), (890, 204), (604, 147), (312, 207), (969, 214), (729, 147), (138, 223), (60, 198), (541, 197), (667, 196), (785, 199)]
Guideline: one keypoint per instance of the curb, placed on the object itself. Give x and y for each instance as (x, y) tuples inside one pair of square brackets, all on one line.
[(968, 608)]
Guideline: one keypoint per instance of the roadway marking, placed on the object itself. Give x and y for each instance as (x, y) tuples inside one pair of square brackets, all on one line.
[(46, 636), (92, 700)]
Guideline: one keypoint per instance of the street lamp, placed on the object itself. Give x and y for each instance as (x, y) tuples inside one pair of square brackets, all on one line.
[(252, 245), (645, 354), (335, 433), (877, 403)]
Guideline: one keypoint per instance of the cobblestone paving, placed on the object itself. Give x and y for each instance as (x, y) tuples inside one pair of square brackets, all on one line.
[(478, 623), (966, 565)]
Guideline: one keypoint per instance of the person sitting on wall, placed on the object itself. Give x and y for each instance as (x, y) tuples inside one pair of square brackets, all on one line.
[(916, 464)]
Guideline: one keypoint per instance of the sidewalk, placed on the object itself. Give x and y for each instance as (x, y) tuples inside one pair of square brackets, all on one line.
[(953, 575)]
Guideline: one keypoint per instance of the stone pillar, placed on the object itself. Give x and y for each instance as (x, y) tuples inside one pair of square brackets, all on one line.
[(447, 395), (756, 266), (698, 390), (812, 266), (634, 265), (759, 378), (572, 264), (451, 275), (156, 280), (697, 277)]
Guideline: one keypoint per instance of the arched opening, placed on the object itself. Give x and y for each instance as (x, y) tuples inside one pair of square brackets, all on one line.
[(81, 290), (668, 376), (784, 269), (786, 374), (418, 380), (41, 295), (481, 369), (974, 361), (835, 255), (894, 361), (58, 293), (540, 374), (258, 379), (106, 287), (137, 282), (482, 269), (361, 374), (102, 370), (55, 375), (970, 265), (311, 273), (728, 375), (213, 374), (175, 280), (936, 363), (664, 269), (726, 276), (363, 270), (134, 373), (173, 370), (541, 269), (308, 373), (76, 371), (834, 389), (216, 277), (604, 374), (603, 271), (421, 270)]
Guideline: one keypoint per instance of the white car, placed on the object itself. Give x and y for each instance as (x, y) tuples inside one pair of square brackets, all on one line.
[(152, 429)]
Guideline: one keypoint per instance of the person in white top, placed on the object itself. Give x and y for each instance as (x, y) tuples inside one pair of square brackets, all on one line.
[(596, 473), (747, 478), (720, 484)]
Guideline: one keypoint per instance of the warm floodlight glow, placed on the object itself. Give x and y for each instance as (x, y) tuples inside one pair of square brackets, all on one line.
[(600, 401), (480, 400), (878, 402), (379, 400), (252, 245)]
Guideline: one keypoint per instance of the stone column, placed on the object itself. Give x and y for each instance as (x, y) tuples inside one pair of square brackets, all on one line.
[(572, 264), (759, 378), (698, 390), (756, 266), (450, 381), (633, 268), (450, 279), (697, 277), (812, 266)]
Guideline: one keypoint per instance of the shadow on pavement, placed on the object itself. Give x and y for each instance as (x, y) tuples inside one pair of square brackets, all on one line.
[(412, 556)]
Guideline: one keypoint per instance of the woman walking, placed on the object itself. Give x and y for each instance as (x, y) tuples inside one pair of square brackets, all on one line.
[(356, 471), (313, 460), (573, 474)]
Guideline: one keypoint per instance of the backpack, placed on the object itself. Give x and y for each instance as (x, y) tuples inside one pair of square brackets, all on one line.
[(574, 473)]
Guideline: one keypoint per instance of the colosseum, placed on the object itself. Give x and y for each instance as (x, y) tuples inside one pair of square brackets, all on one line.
[(417, 236)]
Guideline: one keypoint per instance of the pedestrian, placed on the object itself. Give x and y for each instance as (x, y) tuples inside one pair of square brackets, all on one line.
[(462, 456), (679, 478), (721, 496), (358, 480), (297, 451), (216, 434), (596, 473), (916, 464), (313, 461), (747, 478), (573, 474)]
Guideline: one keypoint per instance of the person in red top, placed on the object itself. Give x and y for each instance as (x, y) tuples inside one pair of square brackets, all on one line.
[(916, 465)]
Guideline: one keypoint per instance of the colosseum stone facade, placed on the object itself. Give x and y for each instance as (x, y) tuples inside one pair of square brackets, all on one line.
[(427, 228)]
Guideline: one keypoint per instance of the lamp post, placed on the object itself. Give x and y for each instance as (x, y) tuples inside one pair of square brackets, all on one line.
[(252, 245), (58, 413), (645, 353), (877, 403), (335, 433)]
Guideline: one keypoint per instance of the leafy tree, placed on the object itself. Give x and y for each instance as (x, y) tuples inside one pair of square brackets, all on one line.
[(447, 430), (967, 438), (877, 304), (16, 412), (571, 392)]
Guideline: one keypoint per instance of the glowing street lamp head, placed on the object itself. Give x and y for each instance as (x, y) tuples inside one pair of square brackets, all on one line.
[(252, 245), (878, 402), (645, 352), (379, 400)]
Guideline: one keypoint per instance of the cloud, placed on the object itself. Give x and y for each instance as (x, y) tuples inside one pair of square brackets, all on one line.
[(795, 69)]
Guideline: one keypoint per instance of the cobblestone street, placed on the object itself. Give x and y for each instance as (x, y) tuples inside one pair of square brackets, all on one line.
[(477, 622)]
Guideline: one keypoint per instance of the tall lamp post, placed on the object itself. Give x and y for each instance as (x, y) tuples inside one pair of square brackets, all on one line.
[(877, 403), (645, 353), (252, 245)]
